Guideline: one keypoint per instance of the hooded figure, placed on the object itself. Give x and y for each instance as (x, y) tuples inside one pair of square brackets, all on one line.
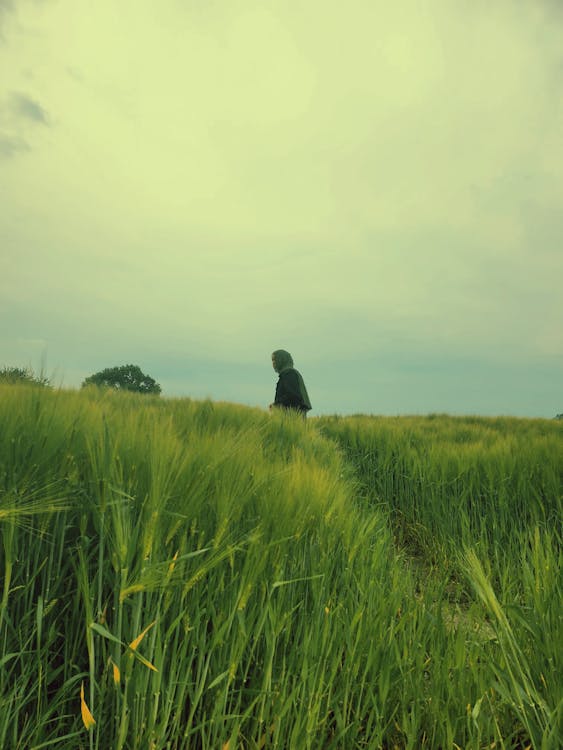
[(290, 390)]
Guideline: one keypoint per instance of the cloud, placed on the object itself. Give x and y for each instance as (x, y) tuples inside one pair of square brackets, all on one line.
[(23, 106), (18, 113), (11, 146), (6, 7), (10, 7)]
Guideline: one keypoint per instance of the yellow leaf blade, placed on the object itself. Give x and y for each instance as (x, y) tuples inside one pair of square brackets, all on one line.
[(134, 644), (146, 662), (116, 673), (87, 718)]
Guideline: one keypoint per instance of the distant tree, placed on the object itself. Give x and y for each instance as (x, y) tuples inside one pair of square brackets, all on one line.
[(126, 378), (23, 375), (559, 416)]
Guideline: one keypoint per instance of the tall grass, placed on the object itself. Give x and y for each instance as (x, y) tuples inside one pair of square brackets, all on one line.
[(450, 481), (478, 501), (182, 574)]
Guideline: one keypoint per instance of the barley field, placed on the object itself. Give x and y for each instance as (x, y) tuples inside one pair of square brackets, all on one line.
[(179, 574)]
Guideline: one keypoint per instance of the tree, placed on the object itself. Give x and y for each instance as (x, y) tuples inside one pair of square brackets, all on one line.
[(18, 375), (126, 378)]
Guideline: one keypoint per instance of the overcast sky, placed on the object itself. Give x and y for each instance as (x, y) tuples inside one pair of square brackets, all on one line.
[(375, 186)]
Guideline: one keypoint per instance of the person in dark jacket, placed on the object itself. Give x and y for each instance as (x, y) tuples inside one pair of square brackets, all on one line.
[(290, 389)]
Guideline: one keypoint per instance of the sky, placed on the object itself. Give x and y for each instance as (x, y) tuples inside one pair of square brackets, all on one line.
[(376, 187)]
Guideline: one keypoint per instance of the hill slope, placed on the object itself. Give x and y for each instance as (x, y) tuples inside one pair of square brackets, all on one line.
[(209, 576)]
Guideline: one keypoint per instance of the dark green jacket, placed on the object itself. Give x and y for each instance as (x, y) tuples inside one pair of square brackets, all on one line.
[(291, 392)]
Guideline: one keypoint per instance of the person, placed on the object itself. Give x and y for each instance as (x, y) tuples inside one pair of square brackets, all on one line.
[(291, 393)]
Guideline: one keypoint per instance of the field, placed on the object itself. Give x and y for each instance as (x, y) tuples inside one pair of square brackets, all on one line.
[(180, 574)]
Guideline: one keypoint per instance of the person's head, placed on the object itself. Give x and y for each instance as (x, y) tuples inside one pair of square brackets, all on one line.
[(281, 360)]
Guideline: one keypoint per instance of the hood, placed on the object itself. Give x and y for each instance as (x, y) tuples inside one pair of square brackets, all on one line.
[(282, 360)]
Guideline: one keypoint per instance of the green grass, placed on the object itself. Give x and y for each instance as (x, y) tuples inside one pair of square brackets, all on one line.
[(340, 583)]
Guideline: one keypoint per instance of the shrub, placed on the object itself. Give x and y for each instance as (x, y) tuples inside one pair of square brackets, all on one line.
[(24, 375), (126, 377)]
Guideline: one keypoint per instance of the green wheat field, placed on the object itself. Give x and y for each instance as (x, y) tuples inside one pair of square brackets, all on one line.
[(193, 574)]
